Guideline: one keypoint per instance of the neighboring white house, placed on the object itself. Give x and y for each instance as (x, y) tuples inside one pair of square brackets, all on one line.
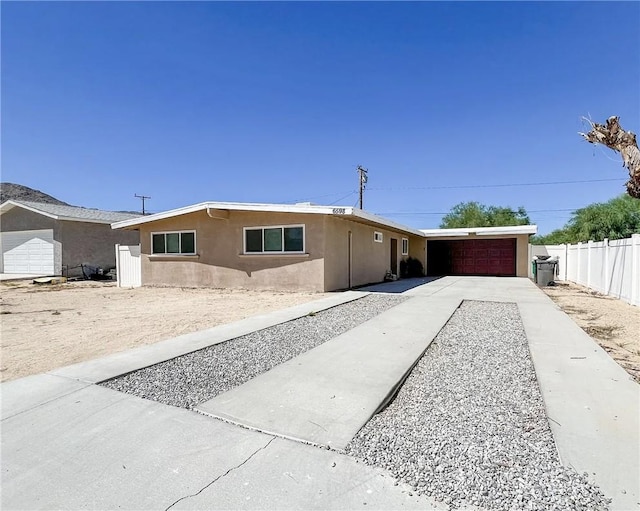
[(51, 239)]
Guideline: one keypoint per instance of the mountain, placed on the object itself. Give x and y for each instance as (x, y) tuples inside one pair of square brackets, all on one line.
[(12, 191)]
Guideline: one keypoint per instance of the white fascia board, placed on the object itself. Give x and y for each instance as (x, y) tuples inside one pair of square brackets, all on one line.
[(158, 216), (359, 213), (275, 208), (481, 231), (511, 229), (433, 233), (229, 206), (348, 212), (7, 205)]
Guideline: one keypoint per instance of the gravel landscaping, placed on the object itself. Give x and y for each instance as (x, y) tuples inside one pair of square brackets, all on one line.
[(194, 378), (469, 426)]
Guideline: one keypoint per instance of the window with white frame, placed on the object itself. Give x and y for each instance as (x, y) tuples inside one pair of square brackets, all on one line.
[(279, 239), (377, 237), (175, 242), (405, 246)]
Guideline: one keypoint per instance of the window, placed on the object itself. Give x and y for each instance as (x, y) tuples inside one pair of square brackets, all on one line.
[(377, 237), (268, 240), (181, 243), (405, 246)]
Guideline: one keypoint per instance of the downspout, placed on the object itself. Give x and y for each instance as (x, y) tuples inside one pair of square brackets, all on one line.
[(350, 258)]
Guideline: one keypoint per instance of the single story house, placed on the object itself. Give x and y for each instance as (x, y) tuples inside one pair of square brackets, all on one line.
[(271, 246), (51, 239), (496, 251), (310, 247)]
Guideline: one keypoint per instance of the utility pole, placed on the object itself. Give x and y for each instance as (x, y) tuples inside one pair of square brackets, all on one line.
[(362, 177), (143, 197)]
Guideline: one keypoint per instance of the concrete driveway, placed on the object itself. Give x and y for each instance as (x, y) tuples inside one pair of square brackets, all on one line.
[(69, 444)]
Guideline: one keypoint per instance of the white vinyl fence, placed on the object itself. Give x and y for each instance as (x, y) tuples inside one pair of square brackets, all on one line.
[(608, 267), (128, 265)]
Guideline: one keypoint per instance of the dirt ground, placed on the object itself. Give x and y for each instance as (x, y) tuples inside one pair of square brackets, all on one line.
[(45, 326), (614, 324)]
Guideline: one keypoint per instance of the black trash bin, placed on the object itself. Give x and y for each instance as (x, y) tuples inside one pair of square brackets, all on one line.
[(546, 270)]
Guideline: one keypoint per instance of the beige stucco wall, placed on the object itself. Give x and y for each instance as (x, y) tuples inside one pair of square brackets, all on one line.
[(522, 255), (522, 248), (370, 260), (220, 261)]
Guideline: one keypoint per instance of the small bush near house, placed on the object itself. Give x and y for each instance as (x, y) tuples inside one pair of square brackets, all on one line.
[(411, 267)]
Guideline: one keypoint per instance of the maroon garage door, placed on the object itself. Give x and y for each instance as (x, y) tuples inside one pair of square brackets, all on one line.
[(472, 257)]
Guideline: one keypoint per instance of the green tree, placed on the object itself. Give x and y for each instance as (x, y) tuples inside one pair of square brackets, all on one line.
[(557, 237), (615, 219), (474, 214)]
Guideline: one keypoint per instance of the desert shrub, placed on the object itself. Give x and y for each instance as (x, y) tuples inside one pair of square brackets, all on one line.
[(411, 267)]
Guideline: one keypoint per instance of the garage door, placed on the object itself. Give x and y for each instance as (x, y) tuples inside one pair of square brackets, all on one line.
[(472, 257), (28, 252)]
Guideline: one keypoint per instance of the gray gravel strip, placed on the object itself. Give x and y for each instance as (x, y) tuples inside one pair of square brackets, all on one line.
[(196, 377), (469, 426)]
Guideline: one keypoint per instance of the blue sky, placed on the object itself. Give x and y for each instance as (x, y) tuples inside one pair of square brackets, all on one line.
[(280, 101)]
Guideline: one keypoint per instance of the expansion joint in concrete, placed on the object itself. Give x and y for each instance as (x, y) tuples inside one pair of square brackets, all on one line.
[(43, 403)]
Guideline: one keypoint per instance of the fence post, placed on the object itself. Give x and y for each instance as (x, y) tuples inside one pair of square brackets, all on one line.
[(589, 249), (578, 261), (607, 269), (635, 269), (566, 262), (117, 265)]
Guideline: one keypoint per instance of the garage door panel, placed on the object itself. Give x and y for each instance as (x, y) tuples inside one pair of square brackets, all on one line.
[(474, 257), (28, 252)]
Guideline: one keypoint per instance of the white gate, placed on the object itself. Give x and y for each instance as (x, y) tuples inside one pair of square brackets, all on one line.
[(128, 265)]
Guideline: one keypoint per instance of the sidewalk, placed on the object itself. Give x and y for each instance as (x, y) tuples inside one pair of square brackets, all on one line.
[(69, 444)]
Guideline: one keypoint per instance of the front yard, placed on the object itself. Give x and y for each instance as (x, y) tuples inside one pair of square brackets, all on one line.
[(613, 323), (45, 326)]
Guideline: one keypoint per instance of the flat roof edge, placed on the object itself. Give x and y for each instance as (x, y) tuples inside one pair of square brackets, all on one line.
[(351, 213), (481, 231)]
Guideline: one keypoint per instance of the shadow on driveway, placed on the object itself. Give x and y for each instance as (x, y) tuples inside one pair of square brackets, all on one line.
[(398, 286)]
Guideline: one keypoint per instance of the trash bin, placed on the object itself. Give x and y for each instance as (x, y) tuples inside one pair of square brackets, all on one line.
[(545, 271)]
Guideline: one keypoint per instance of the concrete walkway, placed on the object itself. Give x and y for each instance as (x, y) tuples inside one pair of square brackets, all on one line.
[(69, 444), (327, 394)]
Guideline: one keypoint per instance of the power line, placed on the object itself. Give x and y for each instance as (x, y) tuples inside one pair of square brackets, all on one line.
[(453, 187), (321, 196), (545, 183), (403, 213), (342, 198)]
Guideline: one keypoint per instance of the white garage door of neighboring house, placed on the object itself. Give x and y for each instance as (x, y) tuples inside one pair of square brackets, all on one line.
[(30, 252)]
